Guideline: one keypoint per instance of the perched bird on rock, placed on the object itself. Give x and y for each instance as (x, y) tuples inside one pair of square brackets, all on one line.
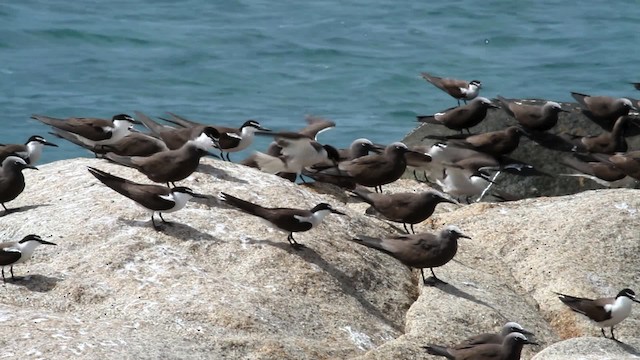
[(510, 349), (154, 198), (603, 110), (11, 179), (423, 250), (285, 219), (17, 252), (175, 138), (461, 117), (494, 338), (30, 151), (605, 312), (458, 89), (533, 117)]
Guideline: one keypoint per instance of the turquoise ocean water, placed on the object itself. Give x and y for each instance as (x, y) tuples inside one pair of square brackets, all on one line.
[(356, 62)]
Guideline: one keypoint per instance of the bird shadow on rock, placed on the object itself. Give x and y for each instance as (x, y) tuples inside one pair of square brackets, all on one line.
[(22, 209), (36, 283), (452, 290), (219, 173), (174, 229), (628, 348), (309, 255)]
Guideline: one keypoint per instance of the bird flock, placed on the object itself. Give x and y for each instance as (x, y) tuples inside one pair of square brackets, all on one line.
[(463, 165)]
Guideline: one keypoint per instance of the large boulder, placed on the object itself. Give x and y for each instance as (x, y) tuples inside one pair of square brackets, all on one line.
[(541, 157), (221, 284)]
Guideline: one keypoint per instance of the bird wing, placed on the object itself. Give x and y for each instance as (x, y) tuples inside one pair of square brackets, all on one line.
[(8, 257), (150, 196), (594, 308), (89, 128), (316, 126)]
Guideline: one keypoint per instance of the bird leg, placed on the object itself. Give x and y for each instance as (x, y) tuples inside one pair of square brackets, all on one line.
[(153, 222), (412, 231), (488, 186), (405, 227), (229, 159), (13, 278), (613, 336), (294, 243), (222, 155), (432, 281), (3, 278), (163, 220)]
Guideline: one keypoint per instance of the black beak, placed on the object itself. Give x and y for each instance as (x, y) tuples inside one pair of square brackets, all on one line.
[(264, 128), (30, 167), (635, 300), (46, 143), (525, 332), (337, 212), (563, 110), (464, 236), (530, 342), (377, 148), (45, 242), (136, 122), (201, 196), (493, 106)]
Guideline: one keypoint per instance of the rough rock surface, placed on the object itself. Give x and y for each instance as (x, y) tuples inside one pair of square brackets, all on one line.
[(591, 348), (542, 158), (222, 284)]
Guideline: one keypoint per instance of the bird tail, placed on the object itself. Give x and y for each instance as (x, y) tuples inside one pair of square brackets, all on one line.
[(369, 241), (438, 350), (121, 160), (153, 126), (243, 205), (110, 180), (363, 194), (428, 119), (72, 138), (179, 120), (46, 119)]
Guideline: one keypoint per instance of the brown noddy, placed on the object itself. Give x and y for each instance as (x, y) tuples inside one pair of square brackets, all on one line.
[(494, 143), (458, 89), (494, 338), (423, 250), (603, 110), (509, 349), (285, 219), (405, 208), (605, 143), (461, 117), (12, 179), (606, 311), (532, 117)]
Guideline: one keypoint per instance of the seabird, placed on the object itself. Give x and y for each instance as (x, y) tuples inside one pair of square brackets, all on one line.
[(463, 182), (171, 165), (509, 349), (285, 219), (11, 178), (418, 159), (230, 139), (458, 89), (605, 143), (91, 131), (601, 172), (423, 250), (133, 144), (16, 252), (297, 152), (494, 143), (375, 170), (174, 138), (603, 110), (461, 117), (154, 198), (636, 85), (405, 208), (494, 338), (533, 117), (30, 151), (628, 162), (605, 312)]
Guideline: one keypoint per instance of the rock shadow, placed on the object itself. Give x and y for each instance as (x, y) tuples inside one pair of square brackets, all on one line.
[(35, 283), (174, 229), (452, 290), (21, 209), (219, 173), (346, 285)]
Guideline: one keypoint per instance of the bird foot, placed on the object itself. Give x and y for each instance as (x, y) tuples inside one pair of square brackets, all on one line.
[(433, 281), (297, 246)]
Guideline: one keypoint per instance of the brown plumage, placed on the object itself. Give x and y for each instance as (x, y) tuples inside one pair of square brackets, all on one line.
[(533, 117), (461, 117), (510, 349), (458, 89), (605, 143)]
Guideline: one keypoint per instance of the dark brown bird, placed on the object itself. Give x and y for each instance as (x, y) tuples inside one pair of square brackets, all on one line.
[(285, 219), (458, 89), (605, 312), (405, 208), (605, 143), (628, 162), (171, 165), (533, 117), (601, 172), (424, 250), (154, 198), (11, 179), (461, 117), (494, 143), (510, 349), (603, 110), (174, 138), (494, 338), (133, 144)]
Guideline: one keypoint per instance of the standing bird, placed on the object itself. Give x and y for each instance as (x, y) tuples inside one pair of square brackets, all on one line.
[(230, 139), (461, 117), (628, 162), (91, 131), (12, 179), (154, 198), (30, 151), (171, 165), (603, 110), (601, 172), (605, 143), (424, 250), (605, 312), (174, 138), (284, 219), (509, 349), (458, 89), (533, 117), (405, 208), (16, 252)]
